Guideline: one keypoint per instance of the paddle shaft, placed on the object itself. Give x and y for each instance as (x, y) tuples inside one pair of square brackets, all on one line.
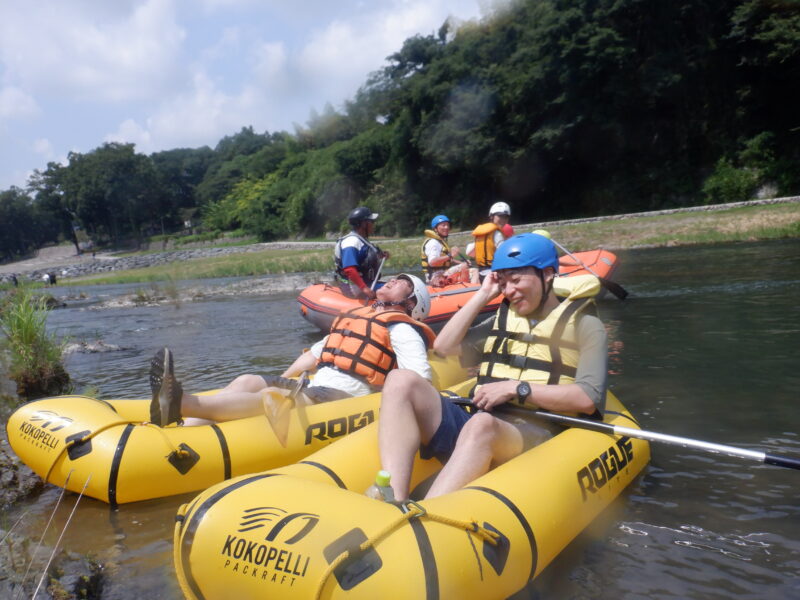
[(612, 287), (378, 274), (653, 436)]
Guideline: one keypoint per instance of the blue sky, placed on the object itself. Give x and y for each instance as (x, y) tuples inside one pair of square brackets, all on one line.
[(180, 73)]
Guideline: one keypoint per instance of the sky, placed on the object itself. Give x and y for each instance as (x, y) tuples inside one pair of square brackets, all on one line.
[(166, 74)]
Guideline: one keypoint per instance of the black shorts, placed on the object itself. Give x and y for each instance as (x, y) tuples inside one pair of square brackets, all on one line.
[(443, 442), (455, 416)]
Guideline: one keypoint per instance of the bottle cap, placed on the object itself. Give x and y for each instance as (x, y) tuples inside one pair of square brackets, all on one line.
[(382, 478)]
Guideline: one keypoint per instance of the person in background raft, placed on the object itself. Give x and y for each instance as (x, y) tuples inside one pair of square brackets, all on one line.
[(489, 236), (438, 258), (357, 259), (383, 336), (541, 353)]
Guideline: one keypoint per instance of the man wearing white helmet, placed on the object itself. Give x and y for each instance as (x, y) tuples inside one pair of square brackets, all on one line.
[(364, 344), (489, 236)]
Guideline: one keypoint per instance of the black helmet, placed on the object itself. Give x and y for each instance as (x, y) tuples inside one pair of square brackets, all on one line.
[(359, 214)]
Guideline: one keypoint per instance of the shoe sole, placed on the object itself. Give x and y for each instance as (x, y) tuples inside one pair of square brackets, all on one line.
[(167, 383)]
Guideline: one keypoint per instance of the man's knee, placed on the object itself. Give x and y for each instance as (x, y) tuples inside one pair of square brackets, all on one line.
[(480, 429), (402, 378), (404, 386), (248, 383)]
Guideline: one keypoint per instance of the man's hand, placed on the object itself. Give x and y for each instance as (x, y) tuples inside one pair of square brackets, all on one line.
[(490, 395), (490, 287), (368, 292)]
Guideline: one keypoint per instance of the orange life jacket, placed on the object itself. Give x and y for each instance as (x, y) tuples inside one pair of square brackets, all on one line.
[(359, 343), (484, 244)]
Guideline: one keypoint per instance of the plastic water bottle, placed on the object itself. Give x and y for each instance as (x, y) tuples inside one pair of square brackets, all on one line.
[(381, 490)]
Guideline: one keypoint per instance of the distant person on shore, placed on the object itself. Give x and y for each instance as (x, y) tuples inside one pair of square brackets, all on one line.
[(357, 260), (397, 339), (438, 259), (489, 236)]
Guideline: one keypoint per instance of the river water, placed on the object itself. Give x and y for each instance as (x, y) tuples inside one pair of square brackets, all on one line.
[(704, 347)]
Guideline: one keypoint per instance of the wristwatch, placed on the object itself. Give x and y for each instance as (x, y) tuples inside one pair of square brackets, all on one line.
[(523, 391)]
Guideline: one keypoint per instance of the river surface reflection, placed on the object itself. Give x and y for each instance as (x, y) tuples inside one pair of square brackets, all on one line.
[(702, 348)]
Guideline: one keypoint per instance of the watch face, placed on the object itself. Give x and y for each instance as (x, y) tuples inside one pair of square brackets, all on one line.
[(523, 389)]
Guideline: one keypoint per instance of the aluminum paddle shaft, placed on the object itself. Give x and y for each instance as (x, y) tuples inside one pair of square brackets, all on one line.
[(653, 436)]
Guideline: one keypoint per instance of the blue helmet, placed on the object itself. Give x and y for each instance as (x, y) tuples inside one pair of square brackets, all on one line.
[(525, 250), (439, 219)]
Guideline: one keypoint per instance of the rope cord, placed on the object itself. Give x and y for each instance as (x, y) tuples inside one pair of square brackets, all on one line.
[(46, 527), (92, 434), (60, 537), (414, 511)]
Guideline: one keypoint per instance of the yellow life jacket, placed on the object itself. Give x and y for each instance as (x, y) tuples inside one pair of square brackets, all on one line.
[(430, 234), (359, 343), (484, 244), (546, 352)]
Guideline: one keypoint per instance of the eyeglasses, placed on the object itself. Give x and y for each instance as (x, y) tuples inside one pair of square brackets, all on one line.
[(514, 279)]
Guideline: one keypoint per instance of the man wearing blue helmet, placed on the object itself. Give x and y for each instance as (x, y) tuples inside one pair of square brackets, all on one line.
[(435, 254), (541, 352)]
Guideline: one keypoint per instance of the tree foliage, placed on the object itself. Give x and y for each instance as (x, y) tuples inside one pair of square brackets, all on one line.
[(563, 109)]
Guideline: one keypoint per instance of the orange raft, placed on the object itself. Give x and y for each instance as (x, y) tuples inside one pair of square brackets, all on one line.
[(321, 302)]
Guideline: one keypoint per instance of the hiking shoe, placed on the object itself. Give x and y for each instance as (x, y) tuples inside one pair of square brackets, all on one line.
[(165, 405)]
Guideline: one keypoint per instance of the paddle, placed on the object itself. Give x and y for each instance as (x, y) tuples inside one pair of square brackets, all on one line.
[(277, 407), (612, 287), (650, 436), (378, 274)]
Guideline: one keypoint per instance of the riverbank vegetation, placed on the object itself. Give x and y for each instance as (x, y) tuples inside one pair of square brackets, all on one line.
[(738, 224), (35, 356), (563, 109)]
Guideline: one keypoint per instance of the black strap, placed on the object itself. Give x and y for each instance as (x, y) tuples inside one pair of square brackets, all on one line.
[(558, 367)]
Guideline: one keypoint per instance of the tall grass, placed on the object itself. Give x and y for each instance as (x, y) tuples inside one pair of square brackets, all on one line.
[(35, 364)]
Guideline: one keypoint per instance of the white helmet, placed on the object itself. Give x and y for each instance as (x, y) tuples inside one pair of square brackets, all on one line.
[(500, 208), (420, 294)]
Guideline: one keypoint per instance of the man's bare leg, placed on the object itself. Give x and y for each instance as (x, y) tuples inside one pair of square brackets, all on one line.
[(484, 442), (241, 398), (410, 414)]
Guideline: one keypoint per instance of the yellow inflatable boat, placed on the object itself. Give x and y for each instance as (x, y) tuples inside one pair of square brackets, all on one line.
[(107, 446), (308, 531)]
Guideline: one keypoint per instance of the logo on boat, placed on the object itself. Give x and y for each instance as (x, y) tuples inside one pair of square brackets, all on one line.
[(256, 518), (605, 467), (41, 425), (333, 428), (265, 558)]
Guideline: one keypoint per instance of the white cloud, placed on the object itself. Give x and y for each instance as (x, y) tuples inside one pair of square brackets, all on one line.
[(130, 131), (270, 63), (15, 103), (44, 147), (338, 58), (64, 48), (174, 73), (197, 117)]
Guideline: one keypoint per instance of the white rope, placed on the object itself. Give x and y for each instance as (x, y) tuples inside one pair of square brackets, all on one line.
[(44, 532), (58, 541)]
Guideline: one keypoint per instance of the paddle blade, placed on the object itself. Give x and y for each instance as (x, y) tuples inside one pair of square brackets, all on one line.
[(277, 409), (614, 288)]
